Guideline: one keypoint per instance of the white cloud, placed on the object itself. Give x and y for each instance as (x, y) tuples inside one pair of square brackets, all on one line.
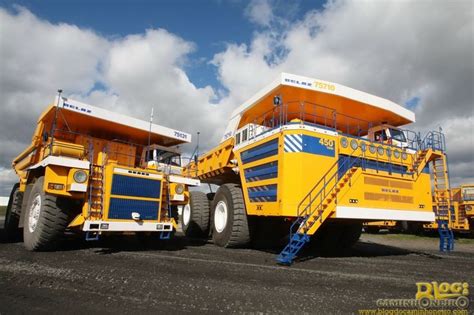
[(393, 49), (138, 72), (259, 12)]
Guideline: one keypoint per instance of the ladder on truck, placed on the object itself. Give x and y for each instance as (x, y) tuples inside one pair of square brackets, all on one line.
[(96, 189), (433, 149), (317, 205), (166, 206), (442, 197)]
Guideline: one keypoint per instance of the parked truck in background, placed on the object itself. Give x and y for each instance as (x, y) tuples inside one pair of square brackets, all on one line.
[(96, 171)]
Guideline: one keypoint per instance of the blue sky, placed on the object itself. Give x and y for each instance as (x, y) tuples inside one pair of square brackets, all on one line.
[(210, 24)]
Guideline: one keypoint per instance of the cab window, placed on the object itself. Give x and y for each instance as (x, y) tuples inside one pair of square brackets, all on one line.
[(468, 194), (380, 135), (244, 135), (397, 135)]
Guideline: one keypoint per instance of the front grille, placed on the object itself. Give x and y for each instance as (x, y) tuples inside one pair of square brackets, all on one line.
[(123, 208), (136, 186)]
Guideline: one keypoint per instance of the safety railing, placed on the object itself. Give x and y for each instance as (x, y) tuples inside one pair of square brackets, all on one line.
[(309, 113)]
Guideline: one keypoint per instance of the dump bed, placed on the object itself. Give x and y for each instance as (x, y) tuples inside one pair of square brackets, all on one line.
[(320, 102), (75, 117), (303, 100)]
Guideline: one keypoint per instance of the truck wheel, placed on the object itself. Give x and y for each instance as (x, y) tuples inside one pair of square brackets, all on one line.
[(230, 227), (12, 215), (45, 219), (195, 218)]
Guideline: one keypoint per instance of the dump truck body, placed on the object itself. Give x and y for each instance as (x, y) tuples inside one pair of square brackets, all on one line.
[(314, 152), (96, 171)]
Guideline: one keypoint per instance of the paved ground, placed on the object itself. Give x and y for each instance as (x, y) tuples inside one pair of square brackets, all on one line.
[(124, 276)]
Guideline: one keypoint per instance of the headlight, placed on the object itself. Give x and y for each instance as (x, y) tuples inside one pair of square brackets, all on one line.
[(80, 176), (354, 144), (380, 150), (344, 142), (179, 189)]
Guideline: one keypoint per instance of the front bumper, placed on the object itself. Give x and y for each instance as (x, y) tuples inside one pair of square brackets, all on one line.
[(129, 226)]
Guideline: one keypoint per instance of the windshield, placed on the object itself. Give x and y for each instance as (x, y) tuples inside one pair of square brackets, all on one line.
[(166, 157), (397, 135), (468, 193)]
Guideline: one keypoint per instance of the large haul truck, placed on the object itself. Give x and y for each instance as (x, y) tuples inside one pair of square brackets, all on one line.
[(96, 171), (324, 158)]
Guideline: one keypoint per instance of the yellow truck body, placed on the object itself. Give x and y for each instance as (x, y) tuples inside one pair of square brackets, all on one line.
[(97, 171), (312, 151)]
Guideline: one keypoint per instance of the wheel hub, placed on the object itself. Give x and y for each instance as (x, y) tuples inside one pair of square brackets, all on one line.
[(220, 216), (34, 213), (186, 214)]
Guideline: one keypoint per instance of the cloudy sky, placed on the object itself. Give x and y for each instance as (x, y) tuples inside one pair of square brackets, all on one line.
[(195, 61)]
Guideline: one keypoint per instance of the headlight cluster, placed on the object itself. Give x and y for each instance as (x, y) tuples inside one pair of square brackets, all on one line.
[(80, 176), (372, 148)]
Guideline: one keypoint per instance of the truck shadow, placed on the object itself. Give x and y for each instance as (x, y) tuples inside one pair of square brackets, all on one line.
[(109, 244), (360, 249)]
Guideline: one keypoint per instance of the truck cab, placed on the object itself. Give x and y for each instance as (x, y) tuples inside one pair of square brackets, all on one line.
[(388, 134)]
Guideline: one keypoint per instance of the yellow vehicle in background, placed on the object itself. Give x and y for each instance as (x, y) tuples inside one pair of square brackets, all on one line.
[(376, 226), (320, 158), (96, 171), (462, 210), (464, 196)]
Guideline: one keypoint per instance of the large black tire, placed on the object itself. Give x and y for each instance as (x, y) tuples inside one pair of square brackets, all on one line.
[(52, 219), (195, 222), (12, 215), (229, 202)]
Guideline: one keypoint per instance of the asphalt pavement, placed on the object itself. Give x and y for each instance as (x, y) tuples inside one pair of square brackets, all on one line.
[(124, 275)]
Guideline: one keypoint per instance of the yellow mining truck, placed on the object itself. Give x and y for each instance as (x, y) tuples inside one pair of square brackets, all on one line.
[(323, 157), (462, 210), (96, 171)]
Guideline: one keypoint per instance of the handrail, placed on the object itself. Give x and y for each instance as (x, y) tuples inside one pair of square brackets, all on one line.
[(303, 215), (319, 182)]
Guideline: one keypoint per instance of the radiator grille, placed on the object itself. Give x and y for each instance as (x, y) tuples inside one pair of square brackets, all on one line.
[(136, 186), (123, 208)]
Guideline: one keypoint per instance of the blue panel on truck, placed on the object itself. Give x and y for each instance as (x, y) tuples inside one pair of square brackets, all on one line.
[(123, 208), (261, 151), (136, 186)]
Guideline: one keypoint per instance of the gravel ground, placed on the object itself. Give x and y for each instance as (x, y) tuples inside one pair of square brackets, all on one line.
[(190, 276)]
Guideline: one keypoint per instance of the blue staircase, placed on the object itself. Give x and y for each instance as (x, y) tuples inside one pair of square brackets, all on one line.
[(314, 208), (446, 236)]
